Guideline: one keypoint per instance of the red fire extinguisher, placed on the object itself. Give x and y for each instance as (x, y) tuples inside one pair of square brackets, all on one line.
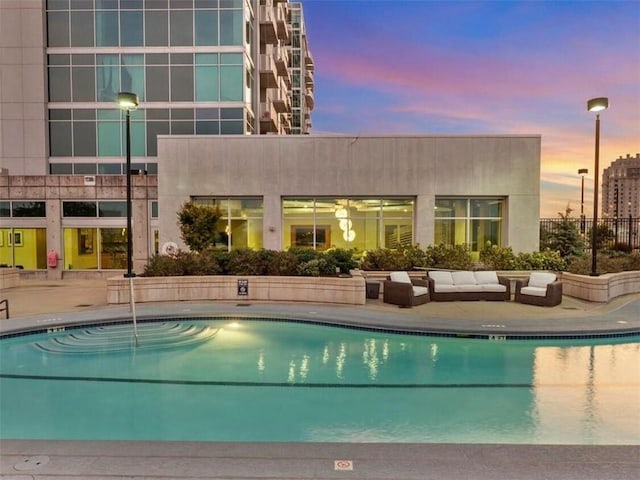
[(52, 259)]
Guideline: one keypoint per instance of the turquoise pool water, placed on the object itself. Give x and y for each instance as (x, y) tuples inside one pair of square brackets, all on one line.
[(250, 380)]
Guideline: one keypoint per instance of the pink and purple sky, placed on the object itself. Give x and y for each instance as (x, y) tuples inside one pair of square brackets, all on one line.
[(484, 67)]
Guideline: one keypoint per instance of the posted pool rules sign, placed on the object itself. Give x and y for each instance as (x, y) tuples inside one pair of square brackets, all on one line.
[(243, 287)]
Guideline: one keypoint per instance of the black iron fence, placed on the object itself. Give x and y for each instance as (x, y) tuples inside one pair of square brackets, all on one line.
[(612, 233)]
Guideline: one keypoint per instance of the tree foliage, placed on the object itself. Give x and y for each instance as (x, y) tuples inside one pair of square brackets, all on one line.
[(198, 225), (564, 236)]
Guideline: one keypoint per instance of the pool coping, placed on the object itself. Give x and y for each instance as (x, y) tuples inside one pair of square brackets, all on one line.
[(618, 320), (300, 461)]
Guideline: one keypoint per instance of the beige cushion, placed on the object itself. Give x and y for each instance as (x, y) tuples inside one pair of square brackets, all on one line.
[(438, 288), (541, 279), (463, 278), (484, 278), (467, 288), (417, 291), (535, 291), (441, 278), (402, 277), (493, 287)]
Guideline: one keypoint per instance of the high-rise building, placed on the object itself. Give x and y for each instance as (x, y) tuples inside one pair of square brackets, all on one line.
[(621, 188), (199, 67)]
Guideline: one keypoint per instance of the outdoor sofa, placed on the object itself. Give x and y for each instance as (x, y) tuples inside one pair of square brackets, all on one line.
[(400, 289), (467, 285), (541, 288)]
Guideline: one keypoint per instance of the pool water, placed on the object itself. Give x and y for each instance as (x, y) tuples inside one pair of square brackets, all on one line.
[(251, 380)]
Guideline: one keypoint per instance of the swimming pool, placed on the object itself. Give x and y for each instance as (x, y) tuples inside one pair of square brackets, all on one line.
[(258, 380)]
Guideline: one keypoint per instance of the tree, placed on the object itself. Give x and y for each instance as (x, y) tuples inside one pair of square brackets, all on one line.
[(564, 236), (604, 235), (198, 225)]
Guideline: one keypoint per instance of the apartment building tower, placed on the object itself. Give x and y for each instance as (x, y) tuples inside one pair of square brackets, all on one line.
[(199, 67), (621, 188)]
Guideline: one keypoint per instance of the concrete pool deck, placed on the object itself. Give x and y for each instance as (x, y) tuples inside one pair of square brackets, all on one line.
[(44, 304)]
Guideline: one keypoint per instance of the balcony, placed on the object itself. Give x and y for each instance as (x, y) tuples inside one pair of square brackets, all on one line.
[(282, 24), (281, 56), (268, 29), (268, 72), (285, 122), (308, 78), (268, 118), (280, 100), (308, 96), (308, 60)]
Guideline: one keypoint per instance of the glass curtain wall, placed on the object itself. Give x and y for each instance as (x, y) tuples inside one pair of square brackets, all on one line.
[(475, 222), (204, 63), (360, 223)]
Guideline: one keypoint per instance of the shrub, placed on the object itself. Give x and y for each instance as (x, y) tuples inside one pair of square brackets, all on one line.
[(499, 258), (279, 263), (304, 254), (384, 259), (416, 257), (161, 266), (544, 260), (606, 263), (182, 263), (341, 258), (455, 257), (245, 261), (312, 268)]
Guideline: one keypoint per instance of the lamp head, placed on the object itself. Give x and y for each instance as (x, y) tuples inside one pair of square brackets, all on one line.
[(583, 171), (598, 104), (128, 100)]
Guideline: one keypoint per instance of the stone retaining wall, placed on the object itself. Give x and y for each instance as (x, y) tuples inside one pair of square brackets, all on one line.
[(9, 277), (348, 290), (601, 289)]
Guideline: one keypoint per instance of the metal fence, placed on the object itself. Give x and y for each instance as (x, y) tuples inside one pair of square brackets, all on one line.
[(613, 233)]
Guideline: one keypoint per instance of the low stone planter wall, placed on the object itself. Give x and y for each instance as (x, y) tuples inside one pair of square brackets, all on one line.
[(9, 277), (601, 289), (348, 290)]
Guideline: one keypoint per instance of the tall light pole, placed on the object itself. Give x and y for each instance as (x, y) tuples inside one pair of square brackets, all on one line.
[(582, 172), (129, 101), (596, 105)]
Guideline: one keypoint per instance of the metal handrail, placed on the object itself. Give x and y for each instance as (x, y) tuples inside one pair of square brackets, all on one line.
[(6, 307)]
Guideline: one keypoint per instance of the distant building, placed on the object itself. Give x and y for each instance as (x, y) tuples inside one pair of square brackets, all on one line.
[(621, 188)]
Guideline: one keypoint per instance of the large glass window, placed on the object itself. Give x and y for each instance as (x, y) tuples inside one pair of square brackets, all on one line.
[(475, 222), (95, 248), (206, 24), (28, 209), (131, 30), (231, 27), (23, 247), (157, 28), (361, 223), (240, 223)]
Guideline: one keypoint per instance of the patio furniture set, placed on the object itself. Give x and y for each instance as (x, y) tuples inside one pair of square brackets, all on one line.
[(541, 288)]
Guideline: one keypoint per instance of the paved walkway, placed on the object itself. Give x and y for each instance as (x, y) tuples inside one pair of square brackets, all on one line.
[(37, 304)]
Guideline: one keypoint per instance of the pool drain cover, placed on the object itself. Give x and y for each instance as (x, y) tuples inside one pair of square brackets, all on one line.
[(31, 463)]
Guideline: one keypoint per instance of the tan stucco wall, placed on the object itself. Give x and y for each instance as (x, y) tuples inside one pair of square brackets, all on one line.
[(23, 107), (340, 166)]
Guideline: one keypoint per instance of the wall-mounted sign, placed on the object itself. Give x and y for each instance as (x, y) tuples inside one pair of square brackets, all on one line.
[(243, 287)]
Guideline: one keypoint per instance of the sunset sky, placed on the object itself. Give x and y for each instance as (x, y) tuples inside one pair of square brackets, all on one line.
[(494, 67)]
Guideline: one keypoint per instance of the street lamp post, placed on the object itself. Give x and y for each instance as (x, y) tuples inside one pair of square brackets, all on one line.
[(582, 172), (129, 101), (596, 105)]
